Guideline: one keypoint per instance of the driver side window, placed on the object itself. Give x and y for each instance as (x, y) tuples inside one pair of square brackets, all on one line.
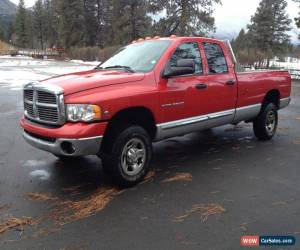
[(188, 50)]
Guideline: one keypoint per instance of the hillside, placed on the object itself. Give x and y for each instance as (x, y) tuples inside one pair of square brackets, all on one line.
[(7, 14), (7, 8)]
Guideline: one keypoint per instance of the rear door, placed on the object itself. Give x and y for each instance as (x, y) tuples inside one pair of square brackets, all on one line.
[(222, 87)]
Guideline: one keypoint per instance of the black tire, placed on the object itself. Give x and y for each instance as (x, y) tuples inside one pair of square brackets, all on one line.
[(265, 124), (127, 158)]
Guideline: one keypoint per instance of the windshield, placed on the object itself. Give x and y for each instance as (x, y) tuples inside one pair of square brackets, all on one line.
[(138, 57)]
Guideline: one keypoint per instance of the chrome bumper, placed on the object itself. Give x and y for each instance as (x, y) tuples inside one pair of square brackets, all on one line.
[(76, 147)]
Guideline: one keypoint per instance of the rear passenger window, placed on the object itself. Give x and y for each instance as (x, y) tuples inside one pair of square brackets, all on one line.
[(215, 58), (188, 51)]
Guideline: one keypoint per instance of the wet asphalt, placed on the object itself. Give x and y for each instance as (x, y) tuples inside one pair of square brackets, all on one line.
[(255, 183)]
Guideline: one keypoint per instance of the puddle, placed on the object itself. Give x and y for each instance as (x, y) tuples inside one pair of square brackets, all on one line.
[(40, 174)]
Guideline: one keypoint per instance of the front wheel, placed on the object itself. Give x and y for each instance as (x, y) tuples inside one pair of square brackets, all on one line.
[(265, 124), (128, 159)]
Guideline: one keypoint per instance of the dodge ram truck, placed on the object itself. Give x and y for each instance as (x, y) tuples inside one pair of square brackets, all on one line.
[(149, 90)]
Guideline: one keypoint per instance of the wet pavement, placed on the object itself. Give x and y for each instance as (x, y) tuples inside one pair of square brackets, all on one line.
[(207, 189)]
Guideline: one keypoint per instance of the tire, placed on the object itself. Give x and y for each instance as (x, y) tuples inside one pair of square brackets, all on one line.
[(265, 124), (127, 160)]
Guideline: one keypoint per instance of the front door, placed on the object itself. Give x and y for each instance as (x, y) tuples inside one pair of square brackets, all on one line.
[(178, 95)]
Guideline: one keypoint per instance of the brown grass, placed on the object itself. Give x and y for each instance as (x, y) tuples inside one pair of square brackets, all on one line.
[(15, 223), (205, 210), (297, 142), (69, 211), (92, 53), (40, 197), (179, 177), (149, 177), (3, 207), (66, 211)]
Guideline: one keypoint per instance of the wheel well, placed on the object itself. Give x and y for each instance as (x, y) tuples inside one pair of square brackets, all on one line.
[(137, 115), (273, 96)]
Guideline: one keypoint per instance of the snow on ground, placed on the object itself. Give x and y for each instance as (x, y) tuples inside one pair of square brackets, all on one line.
[(17, 71)]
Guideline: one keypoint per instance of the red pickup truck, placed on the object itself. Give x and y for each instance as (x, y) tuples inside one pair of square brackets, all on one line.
[(148, 91)]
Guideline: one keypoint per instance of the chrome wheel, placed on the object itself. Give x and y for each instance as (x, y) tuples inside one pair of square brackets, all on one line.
[(133, 156), (271, 122)]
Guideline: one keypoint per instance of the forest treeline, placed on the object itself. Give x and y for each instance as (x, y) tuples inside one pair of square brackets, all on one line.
[(85, 26)]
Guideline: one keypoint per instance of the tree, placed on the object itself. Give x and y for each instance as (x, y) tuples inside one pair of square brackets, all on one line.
[(2, 34), (39, 25), (71, 22), (297, 19), (129, 20), (20, 25), (184, 17), (90, 22), (268, 27)]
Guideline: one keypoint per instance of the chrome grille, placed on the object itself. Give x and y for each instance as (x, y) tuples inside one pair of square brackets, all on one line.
[(44, 97), (44, 104), (28, 95), (29, 109), (48, 114)]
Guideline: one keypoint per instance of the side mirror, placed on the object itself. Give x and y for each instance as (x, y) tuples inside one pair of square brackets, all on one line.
[(183, 67)]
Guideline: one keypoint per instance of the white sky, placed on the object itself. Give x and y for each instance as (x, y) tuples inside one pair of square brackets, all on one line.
[(232, 15)]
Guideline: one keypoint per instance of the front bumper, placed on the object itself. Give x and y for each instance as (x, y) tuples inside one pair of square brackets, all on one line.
[(72, 139), (284, 102), (66, 147)]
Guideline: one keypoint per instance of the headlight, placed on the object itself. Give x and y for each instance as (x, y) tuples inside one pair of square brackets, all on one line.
[(83, 113)]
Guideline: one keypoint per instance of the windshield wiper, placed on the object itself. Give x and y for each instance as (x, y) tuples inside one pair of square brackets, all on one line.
[(127, 68)]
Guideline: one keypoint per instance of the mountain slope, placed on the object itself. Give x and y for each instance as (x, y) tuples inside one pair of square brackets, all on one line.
[(7, 8), (7, 15)]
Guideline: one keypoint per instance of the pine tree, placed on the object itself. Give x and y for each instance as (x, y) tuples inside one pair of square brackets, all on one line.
[(51, 20), (20, 25), (268, 27), (39, 25), (129, 20), (297, 19), (185, 17), (2, 34), (71, 22)]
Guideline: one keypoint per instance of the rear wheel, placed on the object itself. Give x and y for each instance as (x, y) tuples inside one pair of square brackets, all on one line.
[(265, 124), (127, 159)]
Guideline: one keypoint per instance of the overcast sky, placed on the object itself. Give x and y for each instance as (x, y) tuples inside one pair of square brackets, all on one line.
[(232, 15)]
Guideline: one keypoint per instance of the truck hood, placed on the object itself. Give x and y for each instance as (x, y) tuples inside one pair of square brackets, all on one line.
[(80, 81)]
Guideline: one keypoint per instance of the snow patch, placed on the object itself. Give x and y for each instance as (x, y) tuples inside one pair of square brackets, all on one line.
[(41, 174), (15, 72), (33, 163)]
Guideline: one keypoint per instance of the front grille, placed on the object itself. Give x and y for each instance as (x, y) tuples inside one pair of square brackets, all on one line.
[(44, 97), (43, 106), (28, 95), (48, 114), (29, 109)]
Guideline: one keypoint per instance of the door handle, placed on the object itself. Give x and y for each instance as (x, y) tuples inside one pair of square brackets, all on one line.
[(201, 86), (230, 82)]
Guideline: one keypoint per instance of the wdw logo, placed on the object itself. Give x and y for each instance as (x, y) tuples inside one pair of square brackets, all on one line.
[(254, 241)]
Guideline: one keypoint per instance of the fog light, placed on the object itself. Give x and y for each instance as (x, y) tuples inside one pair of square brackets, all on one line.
[(67, 147)]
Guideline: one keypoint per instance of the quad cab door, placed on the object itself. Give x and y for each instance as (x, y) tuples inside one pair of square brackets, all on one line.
[(201, 100), (221, 84), (179, 94)]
